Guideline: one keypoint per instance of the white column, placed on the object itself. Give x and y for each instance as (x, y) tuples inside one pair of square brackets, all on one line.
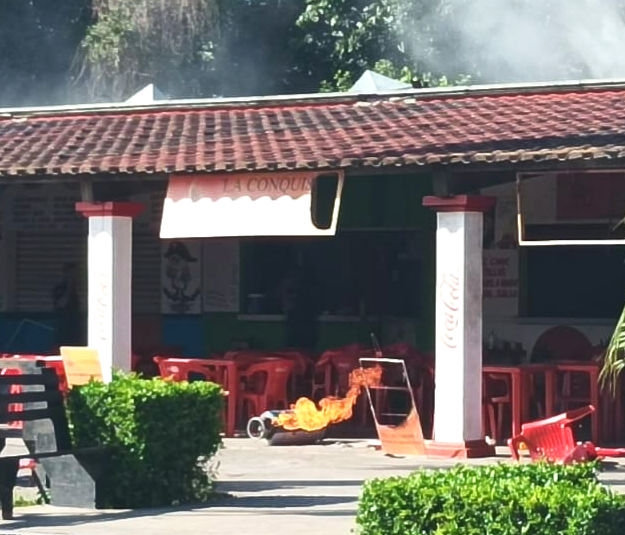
[(458, 345), (109, 284)]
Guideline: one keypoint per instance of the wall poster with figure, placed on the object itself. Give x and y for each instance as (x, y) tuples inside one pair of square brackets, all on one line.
[(181, 277)]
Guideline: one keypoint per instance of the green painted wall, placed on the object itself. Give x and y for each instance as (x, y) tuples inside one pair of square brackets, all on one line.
[(368, 202), (385, 202), (222, 330)]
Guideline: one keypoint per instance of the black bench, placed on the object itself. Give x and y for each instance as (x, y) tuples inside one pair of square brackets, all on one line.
[(45, 428)]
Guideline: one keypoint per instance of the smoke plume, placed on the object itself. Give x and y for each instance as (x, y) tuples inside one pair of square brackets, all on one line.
[(523, 40)]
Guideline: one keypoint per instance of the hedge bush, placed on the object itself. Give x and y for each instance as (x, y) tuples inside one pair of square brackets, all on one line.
[(503, 499), (161, 435)]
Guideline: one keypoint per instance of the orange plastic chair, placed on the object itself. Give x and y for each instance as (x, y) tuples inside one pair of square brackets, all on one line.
[(552, 440), (264, 386)]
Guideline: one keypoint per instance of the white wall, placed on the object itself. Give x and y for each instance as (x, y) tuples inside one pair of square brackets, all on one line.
[(539, 206), (527, 330)]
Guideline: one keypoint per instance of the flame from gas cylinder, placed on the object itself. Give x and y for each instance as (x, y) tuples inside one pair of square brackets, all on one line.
[(307, 416)]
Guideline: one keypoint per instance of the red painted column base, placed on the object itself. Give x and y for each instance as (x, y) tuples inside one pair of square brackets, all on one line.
[(469, 449), (459, 203), (109, 209)]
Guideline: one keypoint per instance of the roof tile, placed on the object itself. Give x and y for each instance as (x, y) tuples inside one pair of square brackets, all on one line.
[(564, 125)]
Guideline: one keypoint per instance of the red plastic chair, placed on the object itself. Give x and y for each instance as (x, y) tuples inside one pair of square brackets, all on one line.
[(560, 344), (427, 395), (14, 389), (552, 440), (264, 386), (302, 376), (496, 400), (420, 368), (331, 373), (177, 369), (51, 361), (302, 365), (186, 371)]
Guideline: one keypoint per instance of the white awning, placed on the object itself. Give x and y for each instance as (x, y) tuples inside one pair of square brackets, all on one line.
[(252, 204)]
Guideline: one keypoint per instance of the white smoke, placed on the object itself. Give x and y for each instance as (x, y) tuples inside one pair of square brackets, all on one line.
[(523, 40)]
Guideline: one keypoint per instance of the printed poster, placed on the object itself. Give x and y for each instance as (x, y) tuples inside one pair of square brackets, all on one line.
[(181, 277)]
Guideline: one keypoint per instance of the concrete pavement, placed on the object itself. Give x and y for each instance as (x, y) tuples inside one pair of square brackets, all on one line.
[(270, 491)]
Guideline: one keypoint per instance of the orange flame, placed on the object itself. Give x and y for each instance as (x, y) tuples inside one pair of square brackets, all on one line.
[(305, 414)]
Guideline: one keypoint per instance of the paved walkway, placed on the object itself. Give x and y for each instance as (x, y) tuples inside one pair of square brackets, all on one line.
[(271, 491)]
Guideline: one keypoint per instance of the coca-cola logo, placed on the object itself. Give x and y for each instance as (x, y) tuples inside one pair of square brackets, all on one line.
[(450, 301)]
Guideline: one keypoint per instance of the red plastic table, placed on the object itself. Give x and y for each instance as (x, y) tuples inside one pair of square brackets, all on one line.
[(520, 377)]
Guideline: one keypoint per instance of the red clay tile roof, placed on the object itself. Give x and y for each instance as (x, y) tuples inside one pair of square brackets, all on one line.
[(349, 133)]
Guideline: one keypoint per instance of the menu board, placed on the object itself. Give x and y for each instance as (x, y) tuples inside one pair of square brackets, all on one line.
[(221, 275), (501, 282)]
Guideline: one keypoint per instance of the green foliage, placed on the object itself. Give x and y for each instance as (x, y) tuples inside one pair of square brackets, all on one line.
[(106, 41), (503, 499), (395, 38), (614, 360), (134, 42), (345, 37), (21, 501), (161, 434)]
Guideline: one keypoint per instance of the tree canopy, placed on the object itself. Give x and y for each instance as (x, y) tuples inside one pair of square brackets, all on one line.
[(90, 50), (134, 42)]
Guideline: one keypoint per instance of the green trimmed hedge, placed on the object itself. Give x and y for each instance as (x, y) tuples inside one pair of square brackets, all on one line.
[(502, 499), (161, 435)]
